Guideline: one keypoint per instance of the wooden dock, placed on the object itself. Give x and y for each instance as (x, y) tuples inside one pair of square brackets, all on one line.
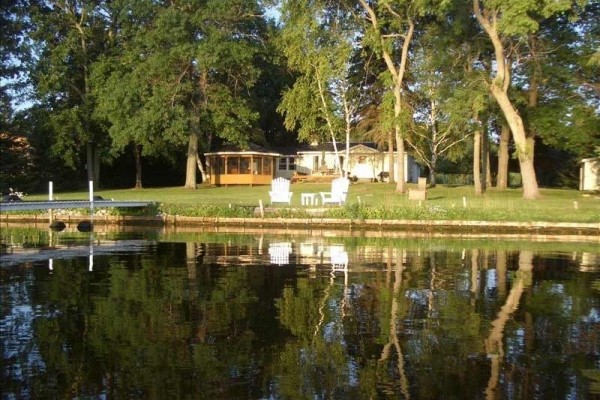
[(66, 204)]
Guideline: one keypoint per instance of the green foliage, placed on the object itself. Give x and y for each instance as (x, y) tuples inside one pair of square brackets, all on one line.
[(112, 75), (317, 42), (207, 210), (594, 377), (166, 84), (287, 213), (15, 162)]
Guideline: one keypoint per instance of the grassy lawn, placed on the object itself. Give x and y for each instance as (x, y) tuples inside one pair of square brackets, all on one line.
[(372, 200)]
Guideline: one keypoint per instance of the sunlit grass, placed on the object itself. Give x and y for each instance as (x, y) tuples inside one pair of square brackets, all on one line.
[(376, 200)]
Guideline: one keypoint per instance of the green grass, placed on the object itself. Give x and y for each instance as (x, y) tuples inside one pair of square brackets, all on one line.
[(369, 200)]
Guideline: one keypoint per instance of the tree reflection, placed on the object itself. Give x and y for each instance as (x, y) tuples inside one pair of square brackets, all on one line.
[(188, 320), (494, 343)]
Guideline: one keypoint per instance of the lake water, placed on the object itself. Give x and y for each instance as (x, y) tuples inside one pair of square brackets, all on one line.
[(186, 315)]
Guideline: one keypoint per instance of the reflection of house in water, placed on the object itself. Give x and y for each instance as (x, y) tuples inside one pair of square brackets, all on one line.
[(590, 262), (280, 252), (308, 249)]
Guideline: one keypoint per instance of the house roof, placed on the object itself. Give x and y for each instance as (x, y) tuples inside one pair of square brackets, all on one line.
[(593, 160), (249, 149), (326, 147)]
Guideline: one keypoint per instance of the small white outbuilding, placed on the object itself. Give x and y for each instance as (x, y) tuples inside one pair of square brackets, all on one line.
[(589, 174)]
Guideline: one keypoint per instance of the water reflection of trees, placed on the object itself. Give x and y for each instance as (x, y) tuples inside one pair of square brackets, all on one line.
[(412, 324)]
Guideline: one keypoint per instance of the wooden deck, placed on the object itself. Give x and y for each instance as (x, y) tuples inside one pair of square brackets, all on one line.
[(313, 178)]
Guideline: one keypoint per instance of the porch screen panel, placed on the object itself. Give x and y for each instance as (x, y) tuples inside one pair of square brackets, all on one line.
[(257, 163), (233, 165), (267, 164), (244, 165), (221, 166)]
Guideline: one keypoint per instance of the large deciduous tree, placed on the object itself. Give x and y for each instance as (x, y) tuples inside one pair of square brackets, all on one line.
[(69, 36), (505, 23), (318, 40), (184, 77), (389, 30), (561, 106), (441, 104)]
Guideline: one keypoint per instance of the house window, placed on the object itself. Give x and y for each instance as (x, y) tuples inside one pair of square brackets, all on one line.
[(282, 163), (287, 164), (316, 164), (362, 159)]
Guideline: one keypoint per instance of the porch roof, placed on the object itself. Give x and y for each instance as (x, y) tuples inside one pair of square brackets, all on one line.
[(250, 149), (327, 147)]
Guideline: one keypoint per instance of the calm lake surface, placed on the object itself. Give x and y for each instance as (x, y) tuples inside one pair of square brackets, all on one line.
[(186, 315)]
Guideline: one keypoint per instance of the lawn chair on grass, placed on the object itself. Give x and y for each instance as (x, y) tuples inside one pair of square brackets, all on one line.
[(280, 191), (339, 190)]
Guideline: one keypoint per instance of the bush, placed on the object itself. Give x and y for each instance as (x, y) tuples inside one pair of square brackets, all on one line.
[(454, 179)]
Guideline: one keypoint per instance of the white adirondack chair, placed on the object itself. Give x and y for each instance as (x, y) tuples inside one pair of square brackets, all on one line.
[(339, 190), (280, 191), (339, 258), (280, 253)]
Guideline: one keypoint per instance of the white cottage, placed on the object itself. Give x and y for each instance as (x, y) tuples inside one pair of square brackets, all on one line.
[(589, 174), (366, 161)]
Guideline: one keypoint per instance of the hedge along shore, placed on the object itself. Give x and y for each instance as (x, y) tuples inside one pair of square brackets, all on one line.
[(587, 231)]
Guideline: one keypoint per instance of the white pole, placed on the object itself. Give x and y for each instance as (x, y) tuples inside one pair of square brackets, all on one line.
[(50, 198), (91, 184)]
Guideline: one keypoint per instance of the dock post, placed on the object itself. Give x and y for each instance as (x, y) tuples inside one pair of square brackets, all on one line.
[(50, 198), (91, 183)]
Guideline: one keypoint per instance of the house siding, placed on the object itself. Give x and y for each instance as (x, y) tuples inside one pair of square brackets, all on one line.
[(366, 163), (589, 174)]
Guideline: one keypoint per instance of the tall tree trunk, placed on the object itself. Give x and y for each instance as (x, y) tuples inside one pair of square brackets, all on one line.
[(485, 170), (432, 171), (327, 117), (392, 165), (91, 176), (401, 184), (93, 161), (488, 173), (477, 161), (192, 154), (93, 164), (523, 145), (203, 173), (397, 72), (499, 89), (502, 178), (137, 155)]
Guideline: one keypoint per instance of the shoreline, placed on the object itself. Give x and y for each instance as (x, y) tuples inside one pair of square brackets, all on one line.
[(429, 227)]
